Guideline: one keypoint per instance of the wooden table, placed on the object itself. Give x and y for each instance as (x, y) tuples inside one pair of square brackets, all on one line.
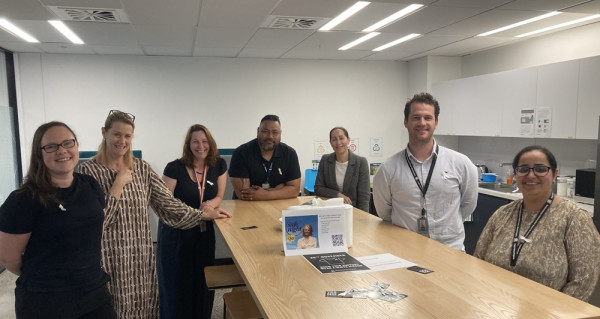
[(461, 286)]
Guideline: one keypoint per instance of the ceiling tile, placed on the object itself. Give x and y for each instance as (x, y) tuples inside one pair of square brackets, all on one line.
[(101, 33), (118, 49), (160, 12), (24, 10), (165, 35), (235, 14), (168, 50), (65, 48)]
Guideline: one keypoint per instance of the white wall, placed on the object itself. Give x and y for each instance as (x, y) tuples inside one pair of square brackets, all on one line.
[(229, 96)]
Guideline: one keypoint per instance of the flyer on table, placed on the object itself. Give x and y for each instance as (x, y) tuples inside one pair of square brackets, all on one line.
[(314, 230)]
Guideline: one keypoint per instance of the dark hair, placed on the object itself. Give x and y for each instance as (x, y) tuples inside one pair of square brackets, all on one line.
[(38, 181), (310, 229), (188, 157), (422, 97), (270, 117), (113, 117), (338, 128), (549, 156)]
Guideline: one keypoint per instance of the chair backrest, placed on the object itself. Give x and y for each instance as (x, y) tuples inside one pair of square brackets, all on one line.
[(310, 176)]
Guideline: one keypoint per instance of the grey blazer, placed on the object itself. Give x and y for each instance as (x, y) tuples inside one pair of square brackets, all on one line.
[(356, 181)]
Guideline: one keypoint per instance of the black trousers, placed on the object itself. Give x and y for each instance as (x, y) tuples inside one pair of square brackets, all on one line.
[(94, 304)]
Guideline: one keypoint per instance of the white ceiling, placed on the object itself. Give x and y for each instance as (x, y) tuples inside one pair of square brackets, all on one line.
[(240, 28)]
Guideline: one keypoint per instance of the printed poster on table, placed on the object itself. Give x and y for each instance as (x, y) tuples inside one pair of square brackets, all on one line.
[(335, 262), (314, 230)]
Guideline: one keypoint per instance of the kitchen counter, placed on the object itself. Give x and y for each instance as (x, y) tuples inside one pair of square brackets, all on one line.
[(584, 202)]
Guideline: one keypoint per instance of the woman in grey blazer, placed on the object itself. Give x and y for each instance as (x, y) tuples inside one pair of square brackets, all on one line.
[(343, 173)]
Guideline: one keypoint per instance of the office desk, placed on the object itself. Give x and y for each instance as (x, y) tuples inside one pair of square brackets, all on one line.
[(461, 286)]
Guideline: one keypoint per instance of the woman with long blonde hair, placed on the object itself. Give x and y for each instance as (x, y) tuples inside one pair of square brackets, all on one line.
[(131, 186)]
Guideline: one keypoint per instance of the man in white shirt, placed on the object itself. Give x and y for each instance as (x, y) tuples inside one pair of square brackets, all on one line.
[(426, 188)]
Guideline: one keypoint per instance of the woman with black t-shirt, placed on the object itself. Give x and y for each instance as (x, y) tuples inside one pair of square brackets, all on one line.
[(50, 233)]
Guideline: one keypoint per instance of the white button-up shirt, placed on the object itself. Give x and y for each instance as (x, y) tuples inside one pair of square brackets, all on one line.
[(450, 199)]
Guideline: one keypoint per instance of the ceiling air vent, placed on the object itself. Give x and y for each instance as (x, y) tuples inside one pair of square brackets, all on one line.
[(90, 14), (296, 23)]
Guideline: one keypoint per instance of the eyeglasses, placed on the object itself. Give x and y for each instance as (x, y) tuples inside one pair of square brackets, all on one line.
[(539, 170), (51, 148), (117, 112)]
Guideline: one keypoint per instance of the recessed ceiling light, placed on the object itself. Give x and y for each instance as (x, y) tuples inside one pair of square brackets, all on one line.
[(358, 41), (62, 28), (345, 15), (514, 25), (393, 43), (394, 17), (16, 31), (558, 26)]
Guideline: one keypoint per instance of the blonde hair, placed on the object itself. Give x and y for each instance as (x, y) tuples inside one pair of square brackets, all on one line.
[(113, 117)]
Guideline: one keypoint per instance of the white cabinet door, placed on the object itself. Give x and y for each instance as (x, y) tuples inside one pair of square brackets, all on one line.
[(588, 107), (516, 90), (448, 95), (557, 90), (479, 114)]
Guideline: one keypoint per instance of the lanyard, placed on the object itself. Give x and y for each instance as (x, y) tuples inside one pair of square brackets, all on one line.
[(416, 177), (268, 171), (201, 184), (516, 246)]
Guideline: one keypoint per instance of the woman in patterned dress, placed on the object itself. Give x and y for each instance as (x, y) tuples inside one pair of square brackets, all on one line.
[(543, 237), (131, 186)]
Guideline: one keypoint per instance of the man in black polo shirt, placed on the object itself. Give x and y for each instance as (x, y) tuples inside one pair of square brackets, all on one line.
[(265, 168)]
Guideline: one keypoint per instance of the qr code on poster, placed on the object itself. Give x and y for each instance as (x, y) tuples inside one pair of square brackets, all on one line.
[(337, 240)]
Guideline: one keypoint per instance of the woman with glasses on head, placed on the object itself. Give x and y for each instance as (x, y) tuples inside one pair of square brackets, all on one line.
[(50, 234), (198, 179), (131, 186), (543, 237)]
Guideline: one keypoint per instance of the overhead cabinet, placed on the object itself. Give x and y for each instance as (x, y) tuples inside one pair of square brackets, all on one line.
[(563, 97), (588, 101)]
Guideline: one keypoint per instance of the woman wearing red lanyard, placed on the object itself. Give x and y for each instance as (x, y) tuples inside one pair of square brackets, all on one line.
[(543, 237), (199, 176)]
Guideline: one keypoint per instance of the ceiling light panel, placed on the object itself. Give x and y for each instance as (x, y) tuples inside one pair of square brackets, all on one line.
[(359, 41), (393, 17), (16, 31), (520, 23), (64, 30), (560, 25), (396, 42), (541, 24), (345, 15)]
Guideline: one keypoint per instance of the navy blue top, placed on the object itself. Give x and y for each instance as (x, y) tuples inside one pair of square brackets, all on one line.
[(187, 190), (247, 162), (63, 252)]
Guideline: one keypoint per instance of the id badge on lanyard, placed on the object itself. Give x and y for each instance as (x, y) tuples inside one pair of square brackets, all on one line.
[(423, 224), (201, 185)]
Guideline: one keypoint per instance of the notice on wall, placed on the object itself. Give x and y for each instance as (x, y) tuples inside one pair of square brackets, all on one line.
[(353, 146), (321, 147), (543, 122), (376, 146), (527, 122)]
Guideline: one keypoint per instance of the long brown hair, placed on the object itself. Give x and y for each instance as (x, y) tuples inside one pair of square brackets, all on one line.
[(188, 157), (113, 117), (38, 181)]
